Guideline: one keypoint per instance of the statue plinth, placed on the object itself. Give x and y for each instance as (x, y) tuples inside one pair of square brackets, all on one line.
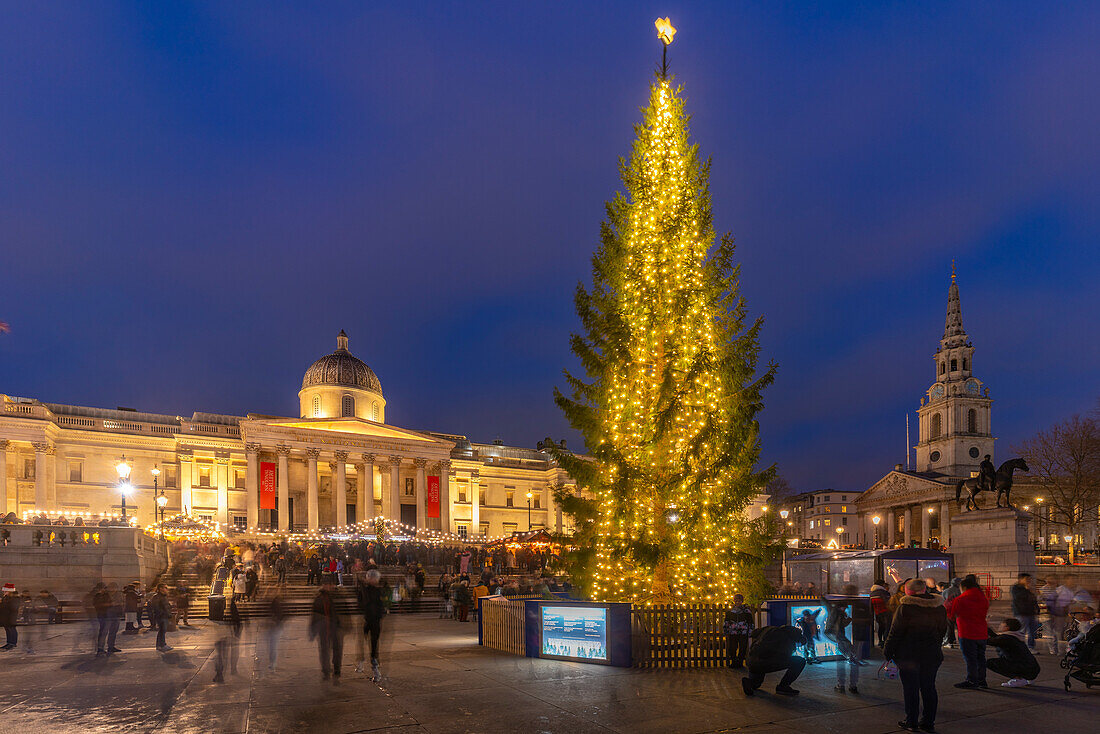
[(993, 541)]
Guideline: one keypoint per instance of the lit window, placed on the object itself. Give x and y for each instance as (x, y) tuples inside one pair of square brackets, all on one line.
[(240, 522), (828, 509), (204, 476), (828, 521), (811, 524), (510, 527), (347, 406), (170, 475), (484, 528), (844, 508), (463, 530), (76, 471), (316, 406)]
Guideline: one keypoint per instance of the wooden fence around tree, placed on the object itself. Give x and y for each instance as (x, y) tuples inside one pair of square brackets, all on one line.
[(680, 635), (502, 623)]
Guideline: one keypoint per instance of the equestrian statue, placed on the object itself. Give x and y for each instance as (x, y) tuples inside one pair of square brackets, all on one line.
[(988, 481)]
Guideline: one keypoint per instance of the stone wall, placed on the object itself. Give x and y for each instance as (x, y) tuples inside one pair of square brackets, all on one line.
[(117, 554)]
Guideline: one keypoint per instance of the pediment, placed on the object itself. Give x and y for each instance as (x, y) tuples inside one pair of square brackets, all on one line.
[(899, 486), (347, 427)]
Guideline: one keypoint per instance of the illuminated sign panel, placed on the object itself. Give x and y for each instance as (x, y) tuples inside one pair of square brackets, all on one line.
[(574, 633)]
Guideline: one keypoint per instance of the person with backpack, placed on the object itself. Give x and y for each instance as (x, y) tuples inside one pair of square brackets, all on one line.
[(915, 645), (969, 610)]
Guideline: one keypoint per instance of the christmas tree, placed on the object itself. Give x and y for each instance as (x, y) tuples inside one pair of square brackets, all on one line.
[(669, 401)]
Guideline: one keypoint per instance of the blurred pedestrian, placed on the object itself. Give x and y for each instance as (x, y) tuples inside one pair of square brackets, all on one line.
[(371, 605), (160, 612), (227, 649), (9, 616), (325, 627), (276, 618), (1025, 607)]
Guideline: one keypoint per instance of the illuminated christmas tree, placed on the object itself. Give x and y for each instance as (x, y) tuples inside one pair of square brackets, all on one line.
[(668, 404)]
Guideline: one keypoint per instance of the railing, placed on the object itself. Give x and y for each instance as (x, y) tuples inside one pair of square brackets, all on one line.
[(678, 636), (502, 623)]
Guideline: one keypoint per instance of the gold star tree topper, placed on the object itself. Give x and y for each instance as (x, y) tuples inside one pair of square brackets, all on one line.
[(665, 31)]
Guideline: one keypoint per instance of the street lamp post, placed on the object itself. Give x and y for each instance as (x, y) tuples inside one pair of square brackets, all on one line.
[(928, 535), (529, 496), (783, 514), (161, 500), (839, 536), (876, 520), (1042, 538), (123, 470), (1069, 546)]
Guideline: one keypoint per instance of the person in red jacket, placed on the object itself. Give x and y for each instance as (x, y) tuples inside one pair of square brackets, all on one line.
[(968, 611)]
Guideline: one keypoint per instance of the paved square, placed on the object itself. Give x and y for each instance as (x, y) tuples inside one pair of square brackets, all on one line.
[(436, 679)]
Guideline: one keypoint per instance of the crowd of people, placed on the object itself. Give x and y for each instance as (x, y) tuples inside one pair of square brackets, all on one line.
[(914, 623)]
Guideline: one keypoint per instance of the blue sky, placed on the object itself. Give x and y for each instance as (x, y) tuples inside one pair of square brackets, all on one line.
[(198, 197)]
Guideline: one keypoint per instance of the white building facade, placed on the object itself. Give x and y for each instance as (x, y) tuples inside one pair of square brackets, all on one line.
[(335, 464)]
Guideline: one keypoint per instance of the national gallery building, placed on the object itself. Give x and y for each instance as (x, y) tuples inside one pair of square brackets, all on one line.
[(337, 463)]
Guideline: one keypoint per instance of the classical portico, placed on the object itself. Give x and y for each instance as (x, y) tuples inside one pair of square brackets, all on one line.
[(912, 508), (307, 447)]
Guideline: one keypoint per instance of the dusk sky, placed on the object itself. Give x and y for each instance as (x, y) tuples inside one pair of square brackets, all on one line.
[(196, 198)]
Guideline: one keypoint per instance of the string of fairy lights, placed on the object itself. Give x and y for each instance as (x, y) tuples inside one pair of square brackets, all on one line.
[(670, 309)]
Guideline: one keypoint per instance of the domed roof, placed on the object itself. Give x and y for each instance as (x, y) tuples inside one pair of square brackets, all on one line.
[(341, 368)]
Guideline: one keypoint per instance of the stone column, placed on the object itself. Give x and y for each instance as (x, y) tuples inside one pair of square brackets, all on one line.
[(908, 526), (475, 503), (285, 520), (364, 511), (186, 477), (221, 468), (4, 477), (445, 506), (557, 517), (340, 488), (252, 483), (41, 479), (891, 527), (313, 511), (51, 478), (421, 492), (945, 523), (367, 483), (395, 488)]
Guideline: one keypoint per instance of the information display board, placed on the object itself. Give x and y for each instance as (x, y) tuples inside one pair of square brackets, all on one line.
[(573, 633), (813, 616)]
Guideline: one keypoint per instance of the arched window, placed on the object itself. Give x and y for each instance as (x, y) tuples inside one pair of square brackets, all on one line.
[(954, 365), (943, 367), (347, 407), (374, 412), (316, 406), (971, 421), (937, 426)]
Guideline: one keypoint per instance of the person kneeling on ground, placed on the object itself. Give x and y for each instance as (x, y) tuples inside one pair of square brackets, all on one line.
[(773, 650), (1015, 660), (915, 645)]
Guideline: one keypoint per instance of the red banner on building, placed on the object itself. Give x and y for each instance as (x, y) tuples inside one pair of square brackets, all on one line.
[(267, 485), (431, 502)]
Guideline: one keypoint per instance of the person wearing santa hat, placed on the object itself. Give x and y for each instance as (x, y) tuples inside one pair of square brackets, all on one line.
[(9, 614)]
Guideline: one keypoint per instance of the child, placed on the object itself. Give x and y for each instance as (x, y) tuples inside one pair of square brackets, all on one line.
[(1014, 660), (1086, 620), (808, 624)]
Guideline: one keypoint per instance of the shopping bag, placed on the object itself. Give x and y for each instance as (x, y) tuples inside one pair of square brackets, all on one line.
[(887, 671)]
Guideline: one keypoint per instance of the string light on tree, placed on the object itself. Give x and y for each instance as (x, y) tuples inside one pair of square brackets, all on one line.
[(668, 407)]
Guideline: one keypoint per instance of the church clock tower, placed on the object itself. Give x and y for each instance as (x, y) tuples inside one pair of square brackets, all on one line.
[(954, 417)]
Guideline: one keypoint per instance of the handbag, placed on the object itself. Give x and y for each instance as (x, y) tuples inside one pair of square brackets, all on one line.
[(887, 671)]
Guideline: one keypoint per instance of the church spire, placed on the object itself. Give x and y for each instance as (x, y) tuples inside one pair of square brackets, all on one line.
[(953, 333)]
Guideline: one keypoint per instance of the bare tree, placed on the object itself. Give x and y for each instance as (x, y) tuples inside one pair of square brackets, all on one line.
[(1065, 459), (779, 490)]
